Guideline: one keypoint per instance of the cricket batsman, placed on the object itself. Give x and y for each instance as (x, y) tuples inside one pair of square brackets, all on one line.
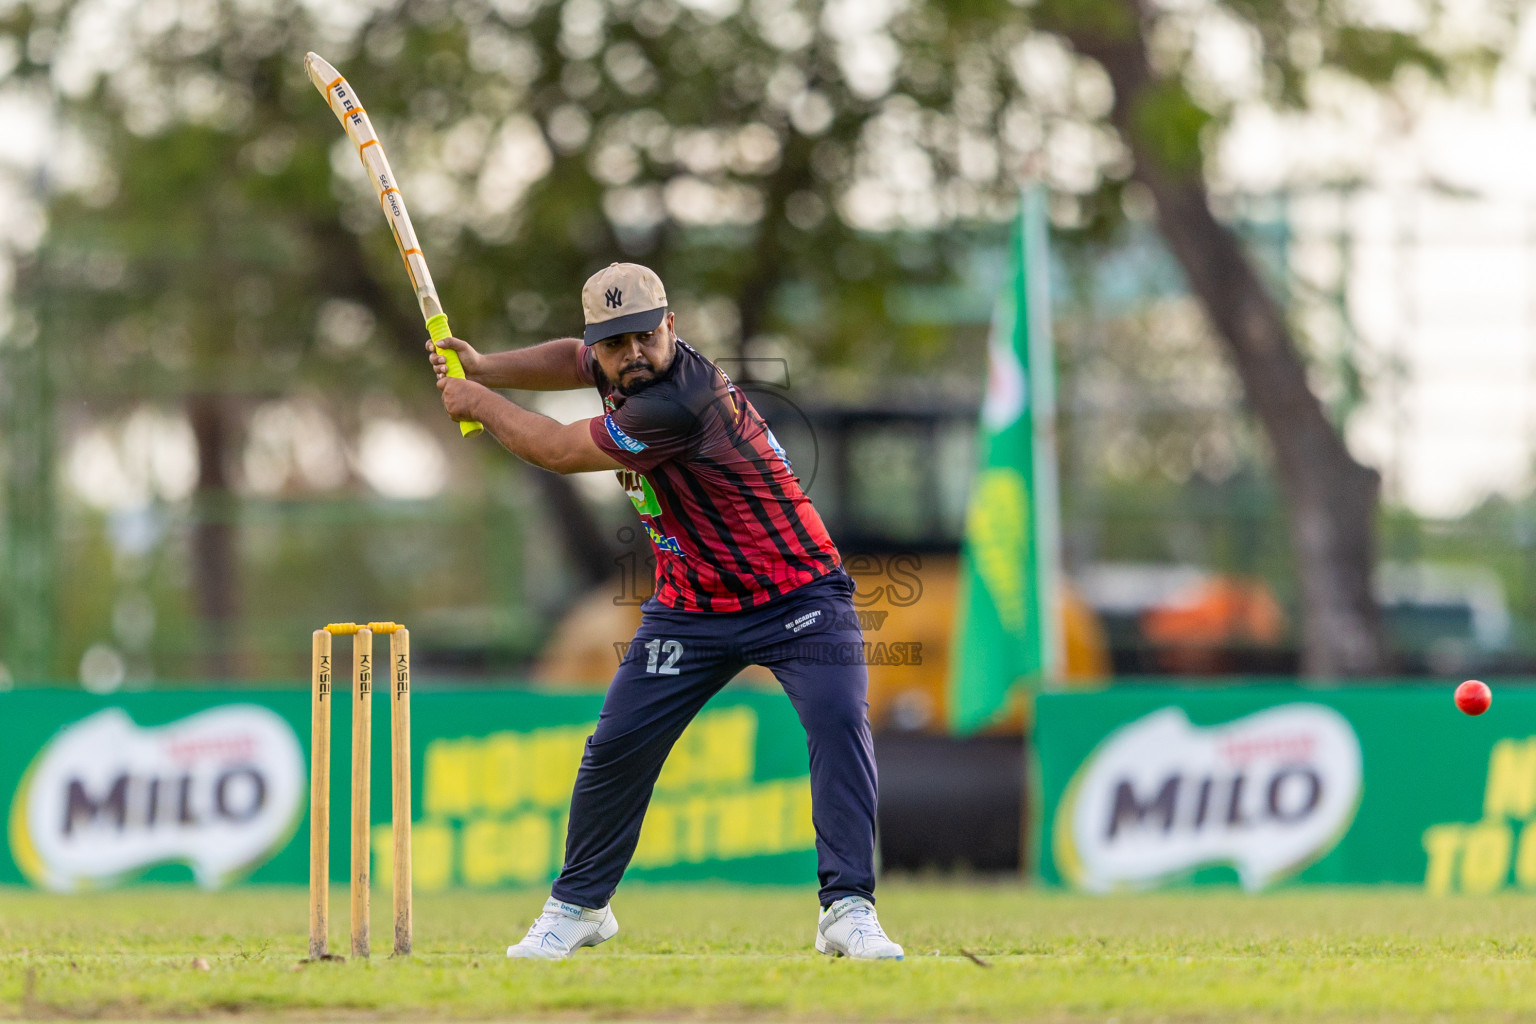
[(745, 574)]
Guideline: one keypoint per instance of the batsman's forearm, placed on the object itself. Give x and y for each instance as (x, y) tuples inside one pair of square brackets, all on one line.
[(552, 366), (531, 436)]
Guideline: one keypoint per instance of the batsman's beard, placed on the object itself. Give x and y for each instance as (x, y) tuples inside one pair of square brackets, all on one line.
[(636, 377)]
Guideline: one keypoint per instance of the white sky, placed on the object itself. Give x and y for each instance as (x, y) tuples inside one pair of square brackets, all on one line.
[(1443, 288)]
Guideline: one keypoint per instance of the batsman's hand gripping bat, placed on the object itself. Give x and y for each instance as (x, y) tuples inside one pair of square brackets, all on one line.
[(342, 99)]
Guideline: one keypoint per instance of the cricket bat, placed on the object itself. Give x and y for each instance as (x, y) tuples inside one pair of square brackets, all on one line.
[(342, 99)]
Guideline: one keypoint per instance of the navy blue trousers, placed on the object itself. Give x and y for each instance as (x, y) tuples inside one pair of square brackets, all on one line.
[(811, 641)]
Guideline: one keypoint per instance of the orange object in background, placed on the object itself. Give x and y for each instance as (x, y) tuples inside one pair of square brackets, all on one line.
[(1196, 631)]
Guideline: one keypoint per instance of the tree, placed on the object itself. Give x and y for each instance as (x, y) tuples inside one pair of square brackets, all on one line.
[(198, 241), (1332, 499), (797, 167)]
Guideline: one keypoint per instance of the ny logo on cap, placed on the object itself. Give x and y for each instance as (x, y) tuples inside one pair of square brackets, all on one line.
[(614, 298)]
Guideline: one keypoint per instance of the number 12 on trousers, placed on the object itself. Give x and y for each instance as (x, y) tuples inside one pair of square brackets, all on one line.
[(672, 649)]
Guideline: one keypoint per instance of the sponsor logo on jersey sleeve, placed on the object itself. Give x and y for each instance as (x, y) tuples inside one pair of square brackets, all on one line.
[(778, 449), (622, 439)]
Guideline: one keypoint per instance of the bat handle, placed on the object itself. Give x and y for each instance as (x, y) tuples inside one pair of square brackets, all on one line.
[(437, 327)]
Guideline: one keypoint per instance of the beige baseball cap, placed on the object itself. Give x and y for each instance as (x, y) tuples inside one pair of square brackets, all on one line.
[(621, 298)]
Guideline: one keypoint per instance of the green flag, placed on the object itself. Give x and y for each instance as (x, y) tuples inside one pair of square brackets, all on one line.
[(1006, 636)]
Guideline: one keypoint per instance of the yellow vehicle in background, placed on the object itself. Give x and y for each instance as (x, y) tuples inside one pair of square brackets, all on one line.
[(891, 484)]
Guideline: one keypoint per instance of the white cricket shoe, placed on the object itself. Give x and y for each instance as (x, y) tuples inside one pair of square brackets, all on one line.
[(850, 928), (564, 928)]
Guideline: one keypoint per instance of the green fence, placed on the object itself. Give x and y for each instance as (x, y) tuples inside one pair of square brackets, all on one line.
[(213, 788), (1144, 787)]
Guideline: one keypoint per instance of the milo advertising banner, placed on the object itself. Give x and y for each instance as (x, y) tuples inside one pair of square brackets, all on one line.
[(1154, 786), (213, 789)]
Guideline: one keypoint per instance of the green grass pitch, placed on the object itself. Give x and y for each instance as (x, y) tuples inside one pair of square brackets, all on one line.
[(983, 952)]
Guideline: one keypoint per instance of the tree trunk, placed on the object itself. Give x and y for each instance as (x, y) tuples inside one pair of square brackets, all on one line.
[(1331, 499), (214, 567)]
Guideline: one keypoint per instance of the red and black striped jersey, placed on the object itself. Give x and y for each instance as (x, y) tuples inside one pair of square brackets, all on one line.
[(726, 515)]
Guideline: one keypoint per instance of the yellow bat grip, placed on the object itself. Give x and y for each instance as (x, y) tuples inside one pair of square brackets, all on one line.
[(437, 328)]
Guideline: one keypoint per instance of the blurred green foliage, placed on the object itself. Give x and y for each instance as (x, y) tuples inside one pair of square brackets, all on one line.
[(794, 168)]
